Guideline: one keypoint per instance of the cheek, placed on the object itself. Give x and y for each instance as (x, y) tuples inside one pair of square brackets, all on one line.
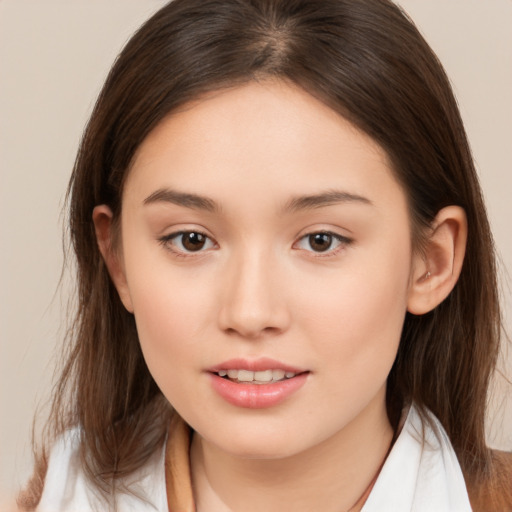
[(357, 317), (170, 325), (164, 313), (172, 315)]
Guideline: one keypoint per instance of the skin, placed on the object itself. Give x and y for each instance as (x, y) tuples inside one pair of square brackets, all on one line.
[(260, 288)]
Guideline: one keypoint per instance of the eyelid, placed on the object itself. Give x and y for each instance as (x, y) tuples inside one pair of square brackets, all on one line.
[(344, 241), (166, 240)]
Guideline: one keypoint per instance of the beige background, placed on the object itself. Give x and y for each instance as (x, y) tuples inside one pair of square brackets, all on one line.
[(54, 56)]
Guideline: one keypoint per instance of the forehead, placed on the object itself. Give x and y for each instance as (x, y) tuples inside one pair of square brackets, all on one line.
[(259, 139)]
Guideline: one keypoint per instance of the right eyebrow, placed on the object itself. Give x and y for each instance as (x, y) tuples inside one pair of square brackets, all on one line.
[(327, 198), (193, 201)]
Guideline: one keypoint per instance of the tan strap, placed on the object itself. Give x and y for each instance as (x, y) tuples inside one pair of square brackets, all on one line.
[(177, 467)]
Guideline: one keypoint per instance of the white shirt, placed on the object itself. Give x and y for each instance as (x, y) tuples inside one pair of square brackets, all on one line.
[(420, 474)]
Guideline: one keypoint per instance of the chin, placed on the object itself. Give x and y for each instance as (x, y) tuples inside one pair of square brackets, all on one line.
[(264, 450), (261, 440)]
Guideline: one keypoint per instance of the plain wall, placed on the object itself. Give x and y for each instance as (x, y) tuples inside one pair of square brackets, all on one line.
[(54, 56)]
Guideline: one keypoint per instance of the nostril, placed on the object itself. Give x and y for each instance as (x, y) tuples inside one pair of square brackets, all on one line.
[(252, 333)]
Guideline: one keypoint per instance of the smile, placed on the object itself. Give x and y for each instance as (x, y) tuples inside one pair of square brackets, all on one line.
[(256, 384), (256, 377)]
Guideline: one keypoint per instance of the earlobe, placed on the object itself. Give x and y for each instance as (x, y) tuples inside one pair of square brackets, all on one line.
[(436, 270), (103, 225)]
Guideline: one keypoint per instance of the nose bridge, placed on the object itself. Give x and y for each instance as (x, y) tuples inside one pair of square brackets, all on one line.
[(252, 302)]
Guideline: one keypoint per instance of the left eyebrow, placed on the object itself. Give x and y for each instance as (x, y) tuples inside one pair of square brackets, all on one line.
[(327, 198)]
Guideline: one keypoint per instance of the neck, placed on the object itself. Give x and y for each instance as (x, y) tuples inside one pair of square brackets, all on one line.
[(332, 476)]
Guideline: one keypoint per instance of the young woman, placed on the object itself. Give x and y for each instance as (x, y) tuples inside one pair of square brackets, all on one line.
[(287, 291)]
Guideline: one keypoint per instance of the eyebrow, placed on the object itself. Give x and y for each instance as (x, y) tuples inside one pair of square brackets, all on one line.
[(187, 200), (328, 198), (197, 202)]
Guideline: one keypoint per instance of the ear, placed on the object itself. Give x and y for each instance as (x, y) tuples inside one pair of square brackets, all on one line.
[(103, 224), (436, 270)]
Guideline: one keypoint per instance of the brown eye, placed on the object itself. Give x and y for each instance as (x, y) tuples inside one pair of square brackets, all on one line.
[(193, 241), (320, 242), (186, 242)]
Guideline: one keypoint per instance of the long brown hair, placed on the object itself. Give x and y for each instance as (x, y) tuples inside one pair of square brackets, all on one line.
[(366, 60)]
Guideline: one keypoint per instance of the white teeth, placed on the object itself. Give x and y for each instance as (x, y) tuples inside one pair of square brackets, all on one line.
[(264, 376), (260, 377), (245, 375), (279, 374)]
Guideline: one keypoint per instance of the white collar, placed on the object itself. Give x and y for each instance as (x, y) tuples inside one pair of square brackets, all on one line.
[(421, 473)]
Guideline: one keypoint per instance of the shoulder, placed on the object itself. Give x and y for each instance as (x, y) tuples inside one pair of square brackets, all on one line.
[(497, 491), (65, 484), (68, 489), (504, 460), (421, 472)]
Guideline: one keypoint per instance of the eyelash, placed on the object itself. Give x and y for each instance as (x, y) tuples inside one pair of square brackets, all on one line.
[(342, 241), (167, 240)]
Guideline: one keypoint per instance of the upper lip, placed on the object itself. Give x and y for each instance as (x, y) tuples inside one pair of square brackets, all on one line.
[(255, 365)]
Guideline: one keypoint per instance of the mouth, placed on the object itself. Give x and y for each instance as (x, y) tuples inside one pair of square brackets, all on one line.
[(257, 383), (261, 377)]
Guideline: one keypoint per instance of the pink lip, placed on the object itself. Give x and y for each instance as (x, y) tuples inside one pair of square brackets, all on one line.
[(257, 365), (256, 396)]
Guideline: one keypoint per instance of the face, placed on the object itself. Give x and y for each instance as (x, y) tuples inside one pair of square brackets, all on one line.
[(266, 255)]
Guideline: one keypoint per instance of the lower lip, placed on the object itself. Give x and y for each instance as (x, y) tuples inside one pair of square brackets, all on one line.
[(257, 396)]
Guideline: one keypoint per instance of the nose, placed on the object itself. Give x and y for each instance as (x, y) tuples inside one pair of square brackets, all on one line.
[(253, 301)]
